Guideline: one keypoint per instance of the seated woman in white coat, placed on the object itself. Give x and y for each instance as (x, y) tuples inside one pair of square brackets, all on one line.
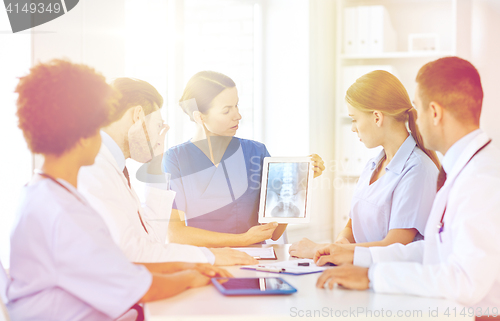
[(395, 191), (64, 263)]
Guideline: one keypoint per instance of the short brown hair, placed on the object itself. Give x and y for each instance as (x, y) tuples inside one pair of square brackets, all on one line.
[(60, 102), (454, 83), (137, 92)]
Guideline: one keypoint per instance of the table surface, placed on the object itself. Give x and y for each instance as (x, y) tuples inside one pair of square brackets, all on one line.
[(208, 304)]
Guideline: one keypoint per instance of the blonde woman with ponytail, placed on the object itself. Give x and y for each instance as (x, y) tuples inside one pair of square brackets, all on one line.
[(395, 191)]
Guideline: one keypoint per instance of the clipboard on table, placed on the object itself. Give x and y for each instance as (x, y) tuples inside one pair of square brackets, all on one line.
[(259, 253), (293, 267)]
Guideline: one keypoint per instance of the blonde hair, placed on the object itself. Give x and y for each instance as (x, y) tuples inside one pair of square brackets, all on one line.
[(381, 90)]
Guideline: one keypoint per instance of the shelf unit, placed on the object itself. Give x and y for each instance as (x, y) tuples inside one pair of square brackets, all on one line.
[(407, 17), (397, 54)]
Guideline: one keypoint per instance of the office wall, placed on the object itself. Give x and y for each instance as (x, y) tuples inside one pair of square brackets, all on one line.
[(286, 77), (91, 33), (485, 55), (15, 169), (298, 89), (322, 30)]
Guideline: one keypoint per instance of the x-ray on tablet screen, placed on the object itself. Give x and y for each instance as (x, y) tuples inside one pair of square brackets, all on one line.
[(287, 189)]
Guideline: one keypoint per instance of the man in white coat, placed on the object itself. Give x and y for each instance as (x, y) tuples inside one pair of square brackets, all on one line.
[(140, 230), (460, 256)]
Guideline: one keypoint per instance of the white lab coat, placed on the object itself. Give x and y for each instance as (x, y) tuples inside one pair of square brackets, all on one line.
[(465, 266), (64, 263), (105, 187)]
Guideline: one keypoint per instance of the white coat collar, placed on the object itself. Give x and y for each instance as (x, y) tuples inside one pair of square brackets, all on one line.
[(454, 152), (478, 140), (108, 156), (114, 150)]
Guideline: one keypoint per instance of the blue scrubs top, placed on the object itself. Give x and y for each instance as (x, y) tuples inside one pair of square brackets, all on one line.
[(221, 199)]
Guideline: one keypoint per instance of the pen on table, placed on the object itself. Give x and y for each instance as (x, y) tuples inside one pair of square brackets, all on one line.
[(307, 264), (269, 269)]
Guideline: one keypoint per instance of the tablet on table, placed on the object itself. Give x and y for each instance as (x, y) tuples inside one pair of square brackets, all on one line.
[(253, 286)]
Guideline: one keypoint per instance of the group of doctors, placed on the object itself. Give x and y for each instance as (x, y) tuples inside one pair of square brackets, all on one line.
[(80, 224)]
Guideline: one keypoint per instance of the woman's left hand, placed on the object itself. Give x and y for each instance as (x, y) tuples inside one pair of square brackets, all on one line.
[(318, 165)]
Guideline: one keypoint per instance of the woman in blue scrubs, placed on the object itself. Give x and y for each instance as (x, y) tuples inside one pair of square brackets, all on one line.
[(215, 175), (396, 189)]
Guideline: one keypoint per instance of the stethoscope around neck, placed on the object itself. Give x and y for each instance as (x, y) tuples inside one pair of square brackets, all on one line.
[(440, 225), (41, 173)]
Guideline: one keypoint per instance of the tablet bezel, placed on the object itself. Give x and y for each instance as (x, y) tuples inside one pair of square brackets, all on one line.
[(263, 190), (225, 291)]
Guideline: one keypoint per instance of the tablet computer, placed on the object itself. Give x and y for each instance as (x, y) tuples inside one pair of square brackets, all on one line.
[(253, 286), (285, 188)]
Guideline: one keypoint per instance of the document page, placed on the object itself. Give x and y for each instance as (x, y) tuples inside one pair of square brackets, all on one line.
[(298, 267), (266, 253)]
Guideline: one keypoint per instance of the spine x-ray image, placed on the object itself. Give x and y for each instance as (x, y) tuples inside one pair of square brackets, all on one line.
[(286, 190)]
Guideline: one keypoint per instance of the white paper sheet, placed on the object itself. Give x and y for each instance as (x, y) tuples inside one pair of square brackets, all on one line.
[(258, 252)]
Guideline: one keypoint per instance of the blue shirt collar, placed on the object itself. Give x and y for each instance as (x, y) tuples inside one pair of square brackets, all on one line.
[(452, 155), (115, 150), (397, 164)]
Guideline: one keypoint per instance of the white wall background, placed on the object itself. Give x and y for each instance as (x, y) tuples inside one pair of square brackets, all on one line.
[(91, 33), (485, 55), (15, 164), (286, 78)]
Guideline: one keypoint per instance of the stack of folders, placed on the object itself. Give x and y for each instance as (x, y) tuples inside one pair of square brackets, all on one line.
[(368, 30)]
